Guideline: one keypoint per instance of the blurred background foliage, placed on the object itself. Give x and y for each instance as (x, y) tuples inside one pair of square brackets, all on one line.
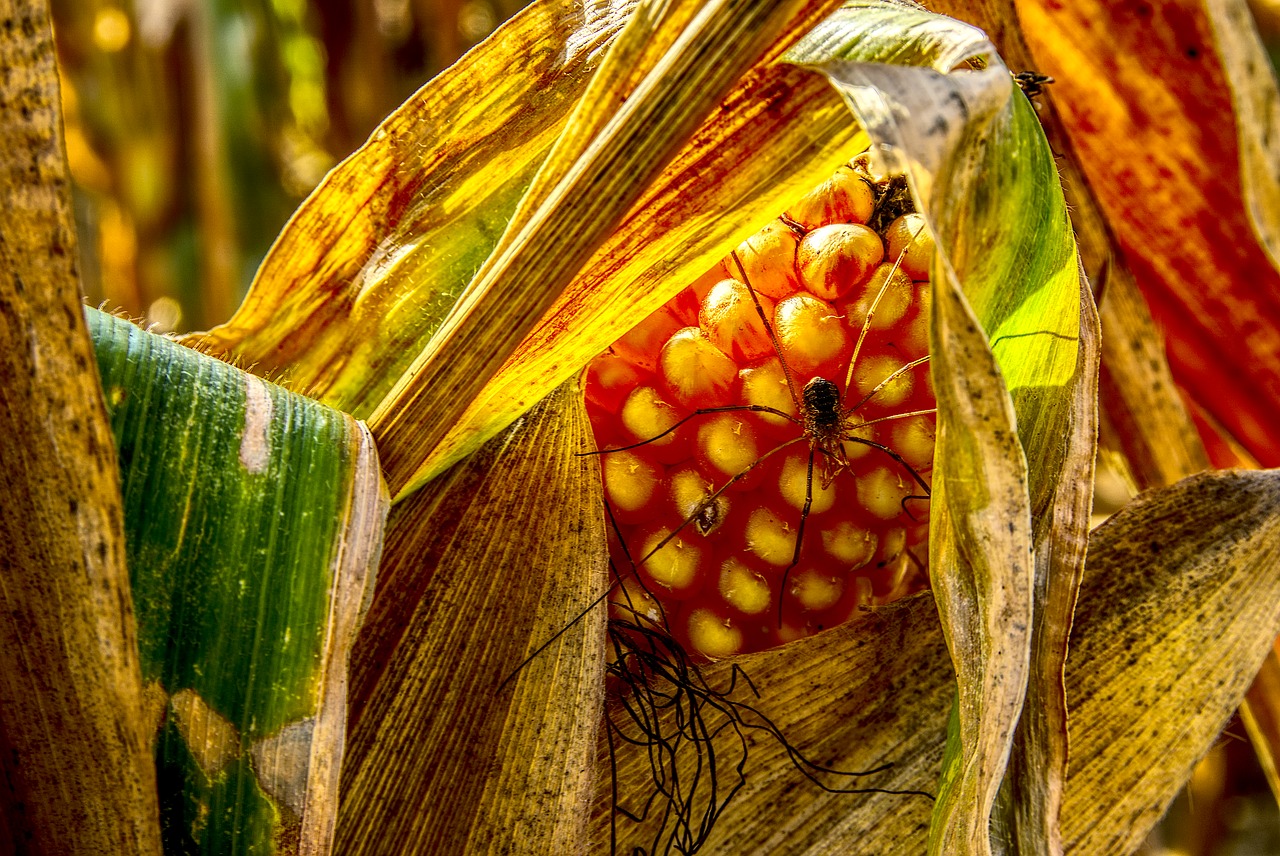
[(195, 127)]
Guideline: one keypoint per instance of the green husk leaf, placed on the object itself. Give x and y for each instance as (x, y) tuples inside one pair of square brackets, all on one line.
[(492, 755), (253, 524)]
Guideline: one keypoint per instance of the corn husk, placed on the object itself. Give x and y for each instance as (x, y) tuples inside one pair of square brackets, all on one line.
[(253, 524)]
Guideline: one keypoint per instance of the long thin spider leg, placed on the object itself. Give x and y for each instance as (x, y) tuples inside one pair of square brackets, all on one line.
[(773, 337), (901, 370), (904, 415), (703, 411), (866, 322), (804, 515), (891, 453), (587, 609)]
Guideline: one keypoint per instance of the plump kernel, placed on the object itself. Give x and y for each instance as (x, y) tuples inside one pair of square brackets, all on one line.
[(643, 342), (853, 450), (731, 321), (877, 370), (816, 590), (891, 292), (766, 384), (810, 332), (794, 483), (673, 565), (910, 233), (770, 538), (630, 482), (734, 578), (769, 260), (712, 635), (610, 380), (881, 492), (850, 545), (727, 446), (646, 414), (913, 439), (629, 599), (695, 371), (833, 260), (844, 198), (693, 498), (744, 589), (914, 338), (891, 546), (688, 303)]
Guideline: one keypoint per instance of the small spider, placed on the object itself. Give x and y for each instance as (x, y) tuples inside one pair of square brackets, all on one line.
[(1032, 83)]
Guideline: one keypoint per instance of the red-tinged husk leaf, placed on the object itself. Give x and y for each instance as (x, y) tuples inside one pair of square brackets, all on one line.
[(1170, 126)]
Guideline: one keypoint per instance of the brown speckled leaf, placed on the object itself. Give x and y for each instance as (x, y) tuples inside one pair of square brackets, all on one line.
[(1178, 606)]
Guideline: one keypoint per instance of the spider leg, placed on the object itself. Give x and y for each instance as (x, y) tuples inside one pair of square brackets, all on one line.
[(703, 411), (804, 515)]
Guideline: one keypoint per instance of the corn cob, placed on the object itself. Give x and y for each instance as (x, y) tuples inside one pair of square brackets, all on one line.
[(768, 435)]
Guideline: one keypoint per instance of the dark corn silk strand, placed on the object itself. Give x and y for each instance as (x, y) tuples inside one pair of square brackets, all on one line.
[(786, 389)]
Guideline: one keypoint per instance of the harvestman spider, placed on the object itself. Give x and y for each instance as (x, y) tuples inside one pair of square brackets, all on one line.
[(825, 424)]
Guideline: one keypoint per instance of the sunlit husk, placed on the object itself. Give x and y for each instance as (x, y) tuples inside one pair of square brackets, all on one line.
[(1008, 535)]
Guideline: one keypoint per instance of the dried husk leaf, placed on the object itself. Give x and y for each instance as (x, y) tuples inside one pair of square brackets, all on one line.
[(1152, 682), (372, 262), (1138, 392), (886, 703), (1256, 102), (253, 521), (1134, 87), (76, 767), (542, 266), (1157, 632), (514, 554), (1040, 759), (981, 569), (1260, 714), (1041, 362)]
